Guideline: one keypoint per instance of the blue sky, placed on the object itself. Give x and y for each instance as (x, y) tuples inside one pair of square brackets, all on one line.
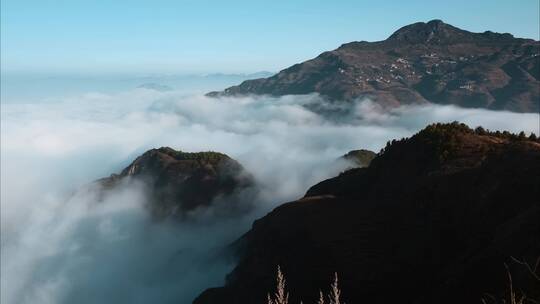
[(163, 36)]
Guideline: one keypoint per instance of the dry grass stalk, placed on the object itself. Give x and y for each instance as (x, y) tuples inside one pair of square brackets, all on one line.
[(280, 296), (321, 298), (335, 293)]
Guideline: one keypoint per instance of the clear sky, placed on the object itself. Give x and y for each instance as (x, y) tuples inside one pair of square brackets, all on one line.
[(222, 36)]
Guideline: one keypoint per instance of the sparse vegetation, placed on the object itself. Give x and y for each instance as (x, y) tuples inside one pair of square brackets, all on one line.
[(335, 292), (515, 295), (281, 296)]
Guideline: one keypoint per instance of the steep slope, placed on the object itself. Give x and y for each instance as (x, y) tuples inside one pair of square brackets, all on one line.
[(419, 63), (433, 219), (179, 182)]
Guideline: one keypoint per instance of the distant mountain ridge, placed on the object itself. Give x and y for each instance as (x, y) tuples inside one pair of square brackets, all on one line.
[(421, 63), (155, 87), (246, 75)]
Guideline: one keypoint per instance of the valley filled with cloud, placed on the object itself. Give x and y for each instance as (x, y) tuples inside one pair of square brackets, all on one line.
[(60, 244)]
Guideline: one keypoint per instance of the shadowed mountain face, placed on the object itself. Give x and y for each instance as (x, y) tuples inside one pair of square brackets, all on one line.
[(420, 63), (179, 182), (432, 219)]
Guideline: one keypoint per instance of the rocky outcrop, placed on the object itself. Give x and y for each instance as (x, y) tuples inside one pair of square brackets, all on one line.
[(431, 62), (359, 158), (178, 182), (433, 219)]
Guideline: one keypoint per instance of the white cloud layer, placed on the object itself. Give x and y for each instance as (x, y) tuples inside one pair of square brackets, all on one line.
[(60, 248)]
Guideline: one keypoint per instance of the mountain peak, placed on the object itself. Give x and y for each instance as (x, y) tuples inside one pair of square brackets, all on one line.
[(433, 31), (424, 62), (179, 182)]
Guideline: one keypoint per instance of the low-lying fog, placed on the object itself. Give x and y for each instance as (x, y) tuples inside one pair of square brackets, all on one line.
[(57, 247)]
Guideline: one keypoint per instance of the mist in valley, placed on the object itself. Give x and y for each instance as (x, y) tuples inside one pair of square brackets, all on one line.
[(60, 245)]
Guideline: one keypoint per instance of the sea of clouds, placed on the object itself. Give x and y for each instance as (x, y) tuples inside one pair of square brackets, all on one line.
[(59, 246)]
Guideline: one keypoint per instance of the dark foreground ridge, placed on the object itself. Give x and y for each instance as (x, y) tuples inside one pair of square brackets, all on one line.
[(432, 219), (178, 182), (431, 62)]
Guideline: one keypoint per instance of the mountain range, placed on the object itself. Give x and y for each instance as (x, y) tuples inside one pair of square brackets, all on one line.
[(445, 216), (433, 219), (421, 63)]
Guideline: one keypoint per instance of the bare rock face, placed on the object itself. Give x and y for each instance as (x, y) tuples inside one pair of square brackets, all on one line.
[(431, 62), (179, 182), (432, 219)]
